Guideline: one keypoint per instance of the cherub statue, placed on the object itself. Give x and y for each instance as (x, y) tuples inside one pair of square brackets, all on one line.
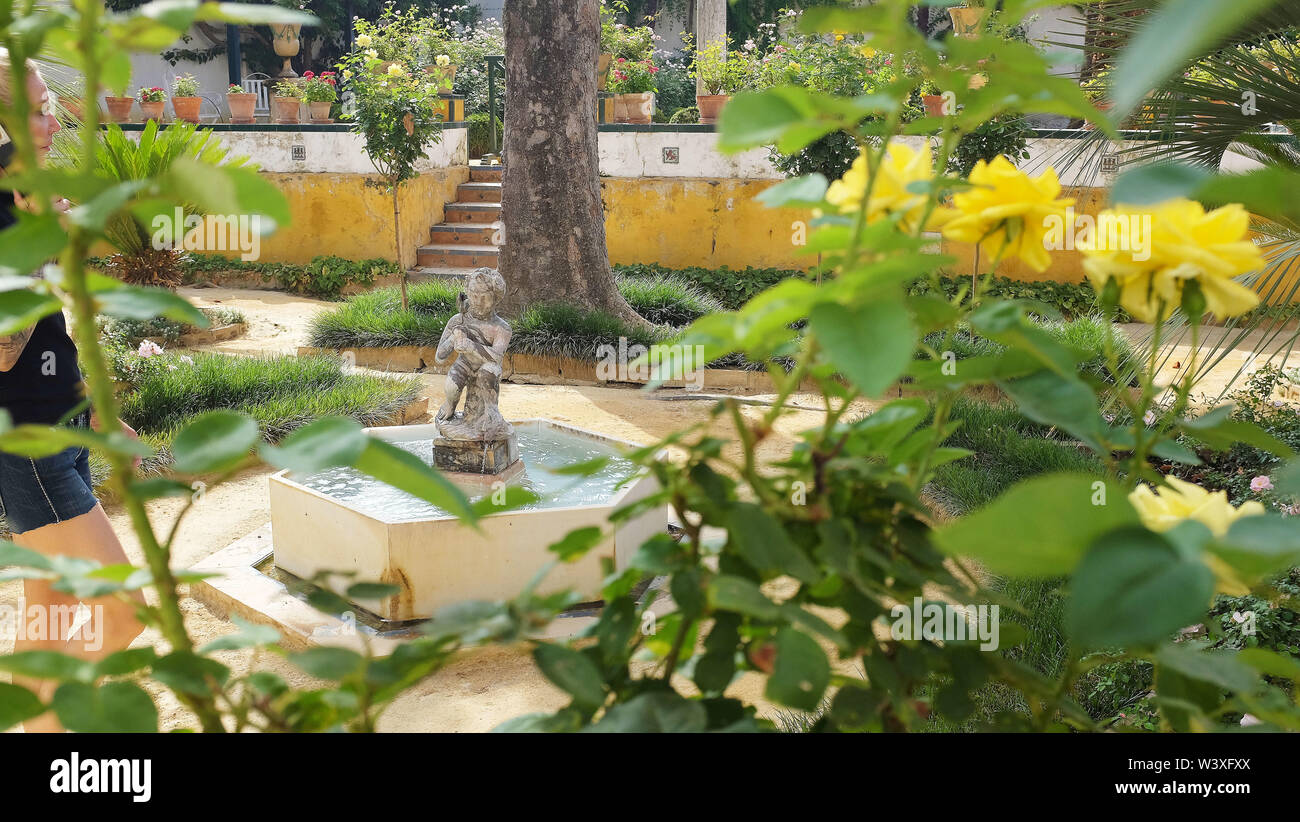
[(479, 338)]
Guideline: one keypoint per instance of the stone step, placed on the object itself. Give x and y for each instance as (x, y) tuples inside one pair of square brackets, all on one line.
[(456, 256), (485, 174), (478, 193), (472, 212), (466, 233), (420, 274)]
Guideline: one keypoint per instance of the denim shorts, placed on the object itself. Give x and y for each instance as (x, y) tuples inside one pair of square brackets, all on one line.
[(39, 492)]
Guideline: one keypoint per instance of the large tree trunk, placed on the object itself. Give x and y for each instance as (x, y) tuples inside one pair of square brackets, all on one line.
[(550, 195)]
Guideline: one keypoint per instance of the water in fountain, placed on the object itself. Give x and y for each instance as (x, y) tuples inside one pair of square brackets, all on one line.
[(542, 448)]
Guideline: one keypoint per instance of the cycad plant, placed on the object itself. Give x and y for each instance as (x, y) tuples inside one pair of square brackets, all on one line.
[(122, 160), (1228, 99)]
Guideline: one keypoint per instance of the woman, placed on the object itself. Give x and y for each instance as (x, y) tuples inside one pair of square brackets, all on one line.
[(49, 502)]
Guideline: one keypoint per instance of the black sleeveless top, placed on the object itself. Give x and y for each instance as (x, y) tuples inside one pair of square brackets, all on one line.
[(45, 384)]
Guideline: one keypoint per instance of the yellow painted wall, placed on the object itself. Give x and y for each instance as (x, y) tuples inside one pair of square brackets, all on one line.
[(686, 221), (351, 215)]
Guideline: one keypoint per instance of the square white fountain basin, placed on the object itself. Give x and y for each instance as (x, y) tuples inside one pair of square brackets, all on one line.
[(333, 521)]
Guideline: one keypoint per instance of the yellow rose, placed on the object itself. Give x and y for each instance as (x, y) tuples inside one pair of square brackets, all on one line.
[(1007, 212), (347, 74), (868, 52), (372, 54), (901, 166), (1169, 244), (1180, 500), (839, 38), (396, 70), (364, 40), (442, 60)]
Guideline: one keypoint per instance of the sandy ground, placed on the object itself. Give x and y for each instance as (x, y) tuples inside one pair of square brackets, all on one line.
[(481, 688)]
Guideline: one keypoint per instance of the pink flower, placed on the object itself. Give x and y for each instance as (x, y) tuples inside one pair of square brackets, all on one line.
[(1261, 483), (308, 75), (148, 348)]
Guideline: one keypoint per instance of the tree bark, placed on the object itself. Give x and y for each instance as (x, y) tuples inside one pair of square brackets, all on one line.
[(551, 211)]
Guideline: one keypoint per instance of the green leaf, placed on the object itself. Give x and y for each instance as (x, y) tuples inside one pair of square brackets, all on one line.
[(404, 470), (189, 673), (30, 243), (1219, 431), (372, 590), (732, 593), (249, 635), (21, 308), (759, 538), (47, 665), (1135, 588), (801, 671), (871, 345), (125, 662), (800, 192), (17, 704), (136, 303), (572, 672), (114, 707), (1267, 192), (1041, 527), (326, 443), (1257, 546), (215, 441), (655, 712), (1066, 402), (575, 544), (1221, 668), (1157, 182), (328, 662)]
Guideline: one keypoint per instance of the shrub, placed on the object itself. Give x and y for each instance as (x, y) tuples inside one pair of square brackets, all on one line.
[(185, 86), (118, 331), (479, 136), (685, 115)]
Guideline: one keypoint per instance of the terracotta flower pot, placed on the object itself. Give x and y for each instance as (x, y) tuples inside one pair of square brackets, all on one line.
[(187, 108), (241, 107), (320, 112), (286, 109), (119, 108), (933, 104), (602, 70), (152, 111), (710, 105), (966, 21), (636, 107)]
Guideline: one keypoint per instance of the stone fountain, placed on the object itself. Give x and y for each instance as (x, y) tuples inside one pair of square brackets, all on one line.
[(343, 521)]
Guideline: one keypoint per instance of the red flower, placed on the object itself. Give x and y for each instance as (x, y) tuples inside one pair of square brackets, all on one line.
[(327, 74), (308, 75), (622, 60)]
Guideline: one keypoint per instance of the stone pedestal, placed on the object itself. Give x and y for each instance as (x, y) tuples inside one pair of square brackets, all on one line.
[(475, 456)]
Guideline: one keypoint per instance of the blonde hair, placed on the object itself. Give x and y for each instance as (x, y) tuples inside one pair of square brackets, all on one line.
[(6, 76)]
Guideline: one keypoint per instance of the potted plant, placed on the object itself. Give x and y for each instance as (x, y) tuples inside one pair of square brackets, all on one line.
[(151, 103), (631, 44), (241, 104), (119, 107), (719, 74), (967, 18), (931, 98), (320, 94), (607, 38), (634, 90), (287, 100), (443, 72), (185, 98)]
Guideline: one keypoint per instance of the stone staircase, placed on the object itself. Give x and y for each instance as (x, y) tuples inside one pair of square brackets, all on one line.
[(467, 237)]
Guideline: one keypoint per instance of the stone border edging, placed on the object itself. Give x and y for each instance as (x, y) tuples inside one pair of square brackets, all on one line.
[(533, 370)]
